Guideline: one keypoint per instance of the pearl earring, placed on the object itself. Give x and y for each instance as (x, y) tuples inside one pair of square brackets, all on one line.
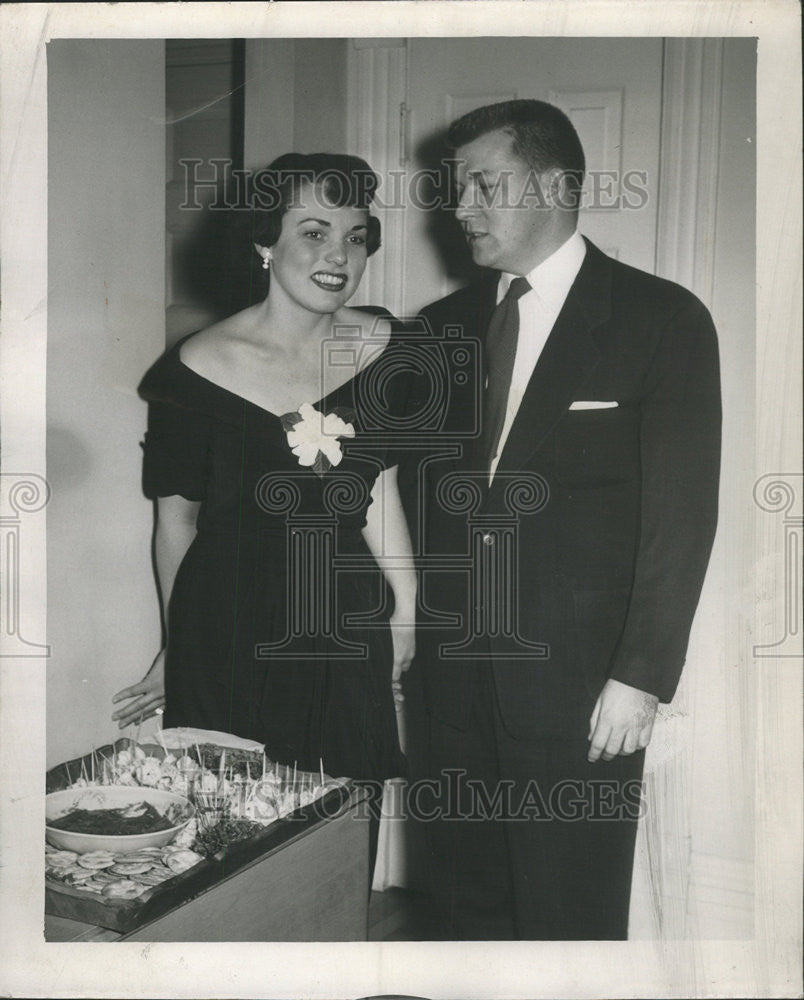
[(266, 262)]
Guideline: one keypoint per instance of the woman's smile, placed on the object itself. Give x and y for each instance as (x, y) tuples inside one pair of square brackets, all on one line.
[(329, 280)]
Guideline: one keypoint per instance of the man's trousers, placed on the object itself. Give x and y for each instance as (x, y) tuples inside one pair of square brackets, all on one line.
[(527, 840)]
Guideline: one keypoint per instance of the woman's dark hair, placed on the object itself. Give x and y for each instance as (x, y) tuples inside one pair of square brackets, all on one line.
[(543, 136), (239, 279), (343, 181)]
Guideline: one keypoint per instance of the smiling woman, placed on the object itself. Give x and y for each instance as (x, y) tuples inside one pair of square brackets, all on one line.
[(312, 188), (267, 633)]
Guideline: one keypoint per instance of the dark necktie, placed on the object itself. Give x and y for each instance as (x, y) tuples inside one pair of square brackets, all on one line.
[(501, 341)]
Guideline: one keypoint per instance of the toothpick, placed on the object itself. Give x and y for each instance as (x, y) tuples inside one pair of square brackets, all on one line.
[(321, 768), (107, 770), (67, 769)]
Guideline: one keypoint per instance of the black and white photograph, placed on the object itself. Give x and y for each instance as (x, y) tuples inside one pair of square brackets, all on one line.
[(401, 499)]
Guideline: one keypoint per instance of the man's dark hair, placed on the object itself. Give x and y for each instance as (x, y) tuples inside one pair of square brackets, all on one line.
[(543, 136)]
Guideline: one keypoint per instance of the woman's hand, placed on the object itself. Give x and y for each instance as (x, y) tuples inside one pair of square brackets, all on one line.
[(149, 695), (386, 534), (403, 636)]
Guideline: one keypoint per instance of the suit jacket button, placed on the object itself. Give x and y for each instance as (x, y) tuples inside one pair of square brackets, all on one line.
[(488, 539)]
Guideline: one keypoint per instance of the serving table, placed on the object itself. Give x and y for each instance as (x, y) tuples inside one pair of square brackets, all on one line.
[(304, 878)]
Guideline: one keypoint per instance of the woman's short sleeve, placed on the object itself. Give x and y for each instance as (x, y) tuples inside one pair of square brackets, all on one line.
[(176, 452)]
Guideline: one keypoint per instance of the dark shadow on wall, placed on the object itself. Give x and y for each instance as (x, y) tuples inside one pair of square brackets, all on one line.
[(435, 193), (218, 267)]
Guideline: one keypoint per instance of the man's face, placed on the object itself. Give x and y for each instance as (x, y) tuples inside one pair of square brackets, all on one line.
[(501, 205)]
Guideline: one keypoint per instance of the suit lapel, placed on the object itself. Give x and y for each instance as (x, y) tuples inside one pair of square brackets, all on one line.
[(569, 356)]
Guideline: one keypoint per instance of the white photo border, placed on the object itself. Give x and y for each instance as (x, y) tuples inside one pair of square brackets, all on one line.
[(770, 965)]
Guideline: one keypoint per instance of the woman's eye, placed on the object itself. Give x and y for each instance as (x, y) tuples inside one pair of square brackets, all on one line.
[(358, 240), (313, 234)]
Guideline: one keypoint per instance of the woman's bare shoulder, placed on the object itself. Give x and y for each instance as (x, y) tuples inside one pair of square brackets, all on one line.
[(213, 345)]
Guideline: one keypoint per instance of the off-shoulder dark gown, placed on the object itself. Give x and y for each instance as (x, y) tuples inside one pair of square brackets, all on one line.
[(278, 618)]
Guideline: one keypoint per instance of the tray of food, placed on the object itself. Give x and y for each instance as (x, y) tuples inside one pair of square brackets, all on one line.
[(133, 830)]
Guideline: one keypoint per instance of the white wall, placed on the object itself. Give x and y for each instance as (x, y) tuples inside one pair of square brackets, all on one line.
[(106, 315)]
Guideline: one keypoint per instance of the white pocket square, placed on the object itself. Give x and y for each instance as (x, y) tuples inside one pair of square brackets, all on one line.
[(592, 404)]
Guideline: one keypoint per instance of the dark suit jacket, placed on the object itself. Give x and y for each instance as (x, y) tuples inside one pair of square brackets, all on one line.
[(609, 558)]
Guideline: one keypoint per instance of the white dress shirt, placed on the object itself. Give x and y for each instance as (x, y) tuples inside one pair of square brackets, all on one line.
[(550, 283)]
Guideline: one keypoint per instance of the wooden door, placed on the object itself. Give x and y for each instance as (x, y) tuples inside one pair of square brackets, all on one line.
[(204, 142), (610, 87)]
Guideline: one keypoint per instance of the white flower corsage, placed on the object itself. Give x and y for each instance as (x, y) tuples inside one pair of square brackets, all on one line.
[(313, 437)]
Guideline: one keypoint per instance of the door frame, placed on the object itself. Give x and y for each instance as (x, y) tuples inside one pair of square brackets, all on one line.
[(376, 129)]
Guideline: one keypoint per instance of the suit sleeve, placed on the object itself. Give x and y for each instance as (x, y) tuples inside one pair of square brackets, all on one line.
[(420, 436), (680, 430)]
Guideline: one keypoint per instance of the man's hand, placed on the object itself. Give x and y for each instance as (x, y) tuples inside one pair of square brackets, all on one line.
[(622, 721)]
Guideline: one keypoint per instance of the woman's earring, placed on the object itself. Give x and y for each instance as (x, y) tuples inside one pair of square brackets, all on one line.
[(266, 261)]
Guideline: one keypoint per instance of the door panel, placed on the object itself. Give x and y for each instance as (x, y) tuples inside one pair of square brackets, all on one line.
[(611, 88)]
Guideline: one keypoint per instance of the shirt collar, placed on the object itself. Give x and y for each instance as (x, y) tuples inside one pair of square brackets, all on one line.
[(552, 279)]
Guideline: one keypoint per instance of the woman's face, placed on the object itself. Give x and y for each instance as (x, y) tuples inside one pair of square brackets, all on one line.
[(320, 255)]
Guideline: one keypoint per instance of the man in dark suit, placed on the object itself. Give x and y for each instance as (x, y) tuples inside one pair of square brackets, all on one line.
[(566, 531)]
